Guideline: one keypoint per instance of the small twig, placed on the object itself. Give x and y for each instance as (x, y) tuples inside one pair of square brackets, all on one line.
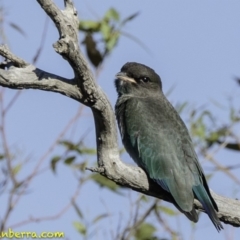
[(18, 62), (43, 38), (96, 169)]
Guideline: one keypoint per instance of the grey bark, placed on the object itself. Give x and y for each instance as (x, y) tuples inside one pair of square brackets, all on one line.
[(15, 73)]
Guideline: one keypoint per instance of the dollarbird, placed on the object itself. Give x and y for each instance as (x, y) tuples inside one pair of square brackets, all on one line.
[(157, 139)]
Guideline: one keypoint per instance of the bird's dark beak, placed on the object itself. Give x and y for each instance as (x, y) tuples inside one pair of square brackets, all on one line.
[(123, 76)]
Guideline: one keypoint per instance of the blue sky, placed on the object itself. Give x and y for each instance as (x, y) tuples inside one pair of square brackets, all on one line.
[(195, 47)]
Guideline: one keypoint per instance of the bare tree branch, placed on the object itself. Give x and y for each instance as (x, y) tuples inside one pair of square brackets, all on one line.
[(4, 51), (34, 78), (84, 89)]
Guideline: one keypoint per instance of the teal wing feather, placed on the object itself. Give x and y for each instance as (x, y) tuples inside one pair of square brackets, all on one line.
[(204, 198)]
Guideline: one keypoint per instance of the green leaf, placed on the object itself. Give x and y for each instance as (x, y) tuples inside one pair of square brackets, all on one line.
[(112, 41), (17, 169), (167, 210), (129, 18), (69, 160), (80, 228), (100, 217), (79, 149), (104, 182), (105, 30), (234, 117), (54, 162), (89, 151), (81, 166), (17, 28), (77, 209), (213, 137), (198, 129), (145, 231), (93, 53), (111, 14), (89, 26), (69, 145), (144, 198), (2, 157)]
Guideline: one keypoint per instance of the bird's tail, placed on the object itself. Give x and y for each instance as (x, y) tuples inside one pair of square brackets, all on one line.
[(204, 199), (192, 216)]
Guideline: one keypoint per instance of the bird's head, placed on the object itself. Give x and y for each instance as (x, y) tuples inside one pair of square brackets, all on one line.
[(137, 79)]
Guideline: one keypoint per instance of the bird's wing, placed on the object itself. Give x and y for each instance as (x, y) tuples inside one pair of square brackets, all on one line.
[(165, 163), (161, 144)]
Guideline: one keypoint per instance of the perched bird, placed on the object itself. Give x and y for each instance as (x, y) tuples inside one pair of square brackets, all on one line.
[(157, 139)]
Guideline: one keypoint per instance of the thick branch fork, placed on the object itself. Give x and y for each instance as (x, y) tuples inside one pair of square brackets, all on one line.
[(15, 73)]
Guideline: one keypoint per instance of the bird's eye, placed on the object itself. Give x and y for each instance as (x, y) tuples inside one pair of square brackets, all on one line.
[(144, 79)]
